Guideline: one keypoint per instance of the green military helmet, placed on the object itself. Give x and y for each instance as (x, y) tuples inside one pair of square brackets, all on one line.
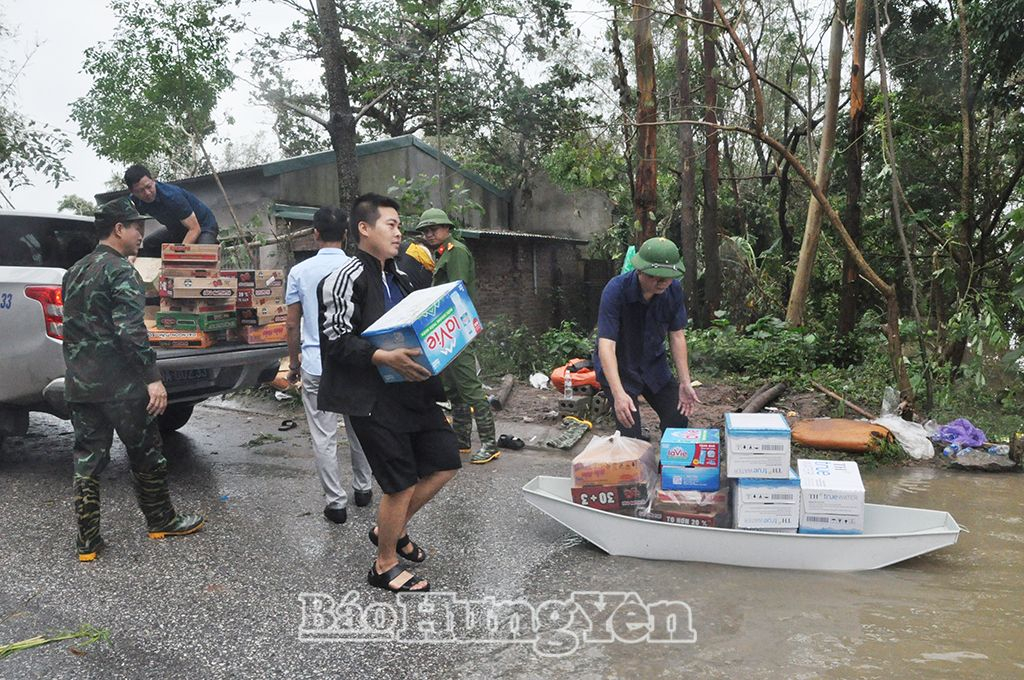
[(118, 210), (659, 257), (433, 217)]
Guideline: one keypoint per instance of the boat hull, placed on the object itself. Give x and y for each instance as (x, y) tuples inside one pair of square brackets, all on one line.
[(891, 534)]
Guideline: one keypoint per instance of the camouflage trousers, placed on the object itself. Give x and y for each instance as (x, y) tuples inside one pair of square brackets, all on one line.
[(95, 424), (464, 390)]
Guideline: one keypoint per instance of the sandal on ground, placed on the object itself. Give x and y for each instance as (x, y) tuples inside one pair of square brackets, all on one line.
[(383, 581), (508, 441), (417, 554), (287, 424)]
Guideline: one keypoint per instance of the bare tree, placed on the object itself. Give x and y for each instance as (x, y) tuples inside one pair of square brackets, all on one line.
[(812, 226), (687, 174), (645, 200), (709, 218)]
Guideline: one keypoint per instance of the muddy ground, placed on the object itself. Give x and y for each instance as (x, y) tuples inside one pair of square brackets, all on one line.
[(528, 404)]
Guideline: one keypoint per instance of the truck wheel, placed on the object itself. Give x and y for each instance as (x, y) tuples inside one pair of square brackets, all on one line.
[(175, 417)]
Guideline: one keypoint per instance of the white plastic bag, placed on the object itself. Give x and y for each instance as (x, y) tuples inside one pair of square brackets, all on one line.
[(911, 436), (539, 380)]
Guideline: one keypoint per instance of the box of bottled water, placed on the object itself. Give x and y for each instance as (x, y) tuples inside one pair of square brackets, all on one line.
[(440, 321)]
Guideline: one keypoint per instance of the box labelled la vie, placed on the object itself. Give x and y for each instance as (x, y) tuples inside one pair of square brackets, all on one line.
[(440, 321), (689, 459)]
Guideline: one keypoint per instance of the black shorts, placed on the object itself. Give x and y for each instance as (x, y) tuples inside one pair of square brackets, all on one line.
[(400, 459)]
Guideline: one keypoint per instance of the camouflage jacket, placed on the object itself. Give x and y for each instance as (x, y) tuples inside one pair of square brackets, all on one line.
[(106, 345), (455, 262)]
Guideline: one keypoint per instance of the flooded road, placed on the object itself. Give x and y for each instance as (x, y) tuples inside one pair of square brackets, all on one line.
[(235, 600)]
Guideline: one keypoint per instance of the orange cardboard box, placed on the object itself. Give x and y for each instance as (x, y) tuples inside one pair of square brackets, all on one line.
[(260, 297), (180, 339), (257, 335)]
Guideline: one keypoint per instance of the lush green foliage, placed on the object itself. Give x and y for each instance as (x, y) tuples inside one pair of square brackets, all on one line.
[(505, 347), (156, 82), (25, 145)]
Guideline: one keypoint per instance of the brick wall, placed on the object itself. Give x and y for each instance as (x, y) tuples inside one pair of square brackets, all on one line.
[(530, 281)]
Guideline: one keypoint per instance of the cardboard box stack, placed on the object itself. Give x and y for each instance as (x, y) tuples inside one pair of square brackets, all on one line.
[(440, 321), (767, 504), (260, 302), (610, 474), (831, 497), (197, 304)]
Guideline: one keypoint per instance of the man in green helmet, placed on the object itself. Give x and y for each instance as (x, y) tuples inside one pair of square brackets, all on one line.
[(454, 262), (112, 383), (638, 309)]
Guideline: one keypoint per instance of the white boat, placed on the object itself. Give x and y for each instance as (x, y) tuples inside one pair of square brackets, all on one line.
[(891, 534)]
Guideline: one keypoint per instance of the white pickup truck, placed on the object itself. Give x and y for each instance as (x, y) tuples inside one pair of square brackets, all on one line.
[(35, 251)]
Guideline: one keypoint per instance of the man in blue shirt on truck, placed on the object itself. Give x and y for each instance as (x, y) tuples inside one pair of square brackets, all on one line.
[(184, 217)]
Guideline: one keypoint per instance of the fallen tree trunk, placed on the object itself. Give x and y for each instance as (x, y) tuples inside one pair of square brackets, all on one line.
[(853, 407), (501, 395), (759, 401)]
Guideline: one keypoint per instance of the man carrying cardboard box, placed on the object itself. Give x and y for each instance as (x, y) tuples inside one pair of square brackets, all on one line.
[(411, 448), (638, 309), (329, 226), (461, 383)]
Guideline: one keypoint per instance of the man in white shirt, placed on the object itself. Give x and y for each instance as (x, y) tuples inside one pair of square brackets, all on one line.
[(329, 224)]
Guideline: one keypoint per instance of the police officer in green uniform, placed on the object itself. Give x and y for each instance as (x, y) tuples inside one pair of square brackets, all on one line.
[(453, 262), (111, 379)]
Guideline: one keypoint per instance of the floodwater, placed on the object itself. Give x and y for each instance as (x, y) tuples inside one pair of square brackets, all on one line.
[(958, 612), (225, 603)]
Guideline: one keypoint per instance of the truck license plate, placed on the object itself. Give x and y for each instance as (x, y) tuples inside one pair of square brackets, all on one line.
[(185, 376)]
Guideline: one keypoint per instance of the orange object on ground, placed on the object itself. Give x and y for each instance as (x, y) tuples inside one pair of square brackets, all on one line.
[(583, 375), (838, 434)]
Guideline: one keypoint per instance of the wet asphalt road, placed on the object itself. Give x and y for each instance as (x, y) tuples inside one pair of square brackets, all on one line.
[(226, 602)]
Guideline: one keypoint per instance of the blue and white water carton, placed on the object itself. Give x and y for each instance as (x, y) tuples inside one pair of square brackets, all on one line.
[(831, 497), (690, 459), (767, 503), (757, 445), (440, 321)]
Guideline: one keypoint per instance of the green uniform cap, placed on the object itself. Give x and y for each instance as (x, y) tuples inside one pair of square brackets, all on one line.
[(433, 217), (119, 210), (659, 257)]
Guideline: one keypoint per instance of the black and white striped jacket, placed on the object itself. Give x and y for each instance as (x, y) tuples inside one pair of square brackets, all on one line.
[(350, 300)]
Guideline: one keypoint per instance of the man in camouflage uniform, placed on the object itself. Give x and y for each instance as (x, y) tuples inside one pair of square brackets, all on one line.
[(112, 382), (453, 262)]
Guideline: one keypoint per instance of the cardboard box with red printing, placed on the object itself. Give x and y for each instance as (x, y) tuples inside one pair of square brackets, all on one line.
[(259, 297), (218, 288), (197, 305), (257, 278), (190, 272), (624, 499), (258, 335), (190, 256), (262, 315), (720, 519)]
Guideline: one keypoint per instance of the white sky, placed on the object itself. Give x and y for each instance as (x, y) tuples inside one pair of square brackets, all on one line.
[(64, 29)]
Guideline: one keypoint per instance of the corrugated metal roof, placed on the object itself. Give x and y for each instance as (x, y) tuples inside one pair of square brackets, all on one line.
[(302, 212), (327, 157)]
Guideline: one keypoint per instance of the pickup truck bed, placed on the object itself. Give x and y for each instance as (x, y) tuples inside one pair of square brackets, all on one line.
[(35, 251)]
